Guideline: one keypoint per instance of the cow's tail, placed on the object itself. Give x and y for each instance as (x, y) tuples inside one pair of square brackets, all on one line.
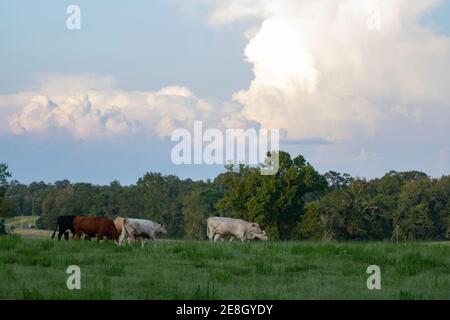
[(116, 237), (54, 232), (208, 231), (123, 235)]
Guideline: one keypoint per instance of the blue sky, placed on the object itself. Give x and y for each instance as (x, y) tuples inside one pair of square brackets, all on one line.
[(145, 46)]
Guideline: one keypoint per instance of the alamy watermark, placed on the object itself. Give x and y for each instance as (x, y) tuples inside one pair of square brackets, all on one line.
[(73, 22), (374, 280), (374, 18), (74, 280), (213, 146)]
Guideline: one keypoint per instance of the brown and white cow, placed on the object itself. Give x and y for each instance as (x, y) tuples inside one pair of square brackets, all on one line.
[(99, 227), (140, 228), (118, 222)]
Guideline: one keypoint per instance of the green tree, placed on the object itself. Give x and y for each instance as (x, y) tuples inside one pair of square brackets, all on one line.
[(440, 207), (276, 202), (413, 219), (345, 214), (197, 207), (161, 198), (311, 226), (338, 180), (55, 204), (5, 205)]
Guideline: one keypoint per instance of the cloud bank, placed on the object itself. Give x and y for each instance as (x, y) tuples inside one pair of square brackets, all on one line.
[(336, 69), (323, 71), (90, 106)]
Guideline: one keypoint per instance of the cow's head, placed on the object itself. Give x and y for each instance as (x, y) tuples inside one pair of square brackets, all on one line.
[(261, 236), (161, 229), (255, 232)]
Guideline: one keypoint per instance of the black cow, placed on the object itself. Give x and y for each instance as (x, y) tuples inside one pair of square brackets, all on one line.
[(64, 224)]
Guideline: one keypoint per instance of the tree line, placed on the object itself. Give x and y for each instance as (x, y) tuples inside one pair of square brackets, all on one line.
[(296, 203)]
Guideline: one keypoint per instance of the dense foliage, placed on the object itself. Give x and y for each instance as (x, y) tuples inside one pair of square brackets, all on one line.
[(5, 207), (296, 203)]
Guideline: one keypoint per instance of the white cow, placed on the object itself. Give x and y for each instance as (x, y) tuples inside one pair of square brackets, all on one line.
[(140, 228), (220, 227)]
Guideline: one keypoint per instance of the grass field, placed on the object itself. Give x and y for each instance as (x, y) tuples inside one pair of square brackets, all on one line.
[(33, 233), (36, 269)]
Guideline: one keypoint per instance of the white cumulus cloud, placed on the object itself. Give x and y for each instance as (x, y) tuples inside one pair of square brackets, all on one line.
[(90, 106), (323, 71), (335, 69), (75, 114)]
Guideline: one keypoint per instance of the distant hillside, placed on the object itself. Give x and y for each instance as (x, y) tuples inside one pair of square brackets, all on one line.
[(21, 221)]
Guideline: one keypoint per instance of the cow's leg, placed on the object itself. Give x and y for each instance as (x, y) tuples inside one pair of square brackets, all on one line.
[(231, 238), (210, 233), (241, 235), (60, 233), (54, 232), (113, 238), (122, 236), (131, 238), (126, 234), (66, 235), (216, 237)]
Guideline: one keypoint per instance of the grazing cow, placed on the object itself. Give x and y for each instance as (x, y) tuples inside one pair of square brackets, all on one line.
[(118, 222), (219, 227), (98, 227), (146, 229), (64, 224)]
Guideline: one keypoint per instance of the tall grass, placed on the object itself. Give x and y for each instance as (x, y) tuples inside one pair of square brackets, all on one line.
[(36, 269)]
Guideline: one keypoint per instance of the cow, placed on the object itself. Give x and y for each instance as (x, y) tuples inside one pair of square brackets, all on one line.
[(219, 227), (145, 229), (98, 227), (118, 222), (64, 224)]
